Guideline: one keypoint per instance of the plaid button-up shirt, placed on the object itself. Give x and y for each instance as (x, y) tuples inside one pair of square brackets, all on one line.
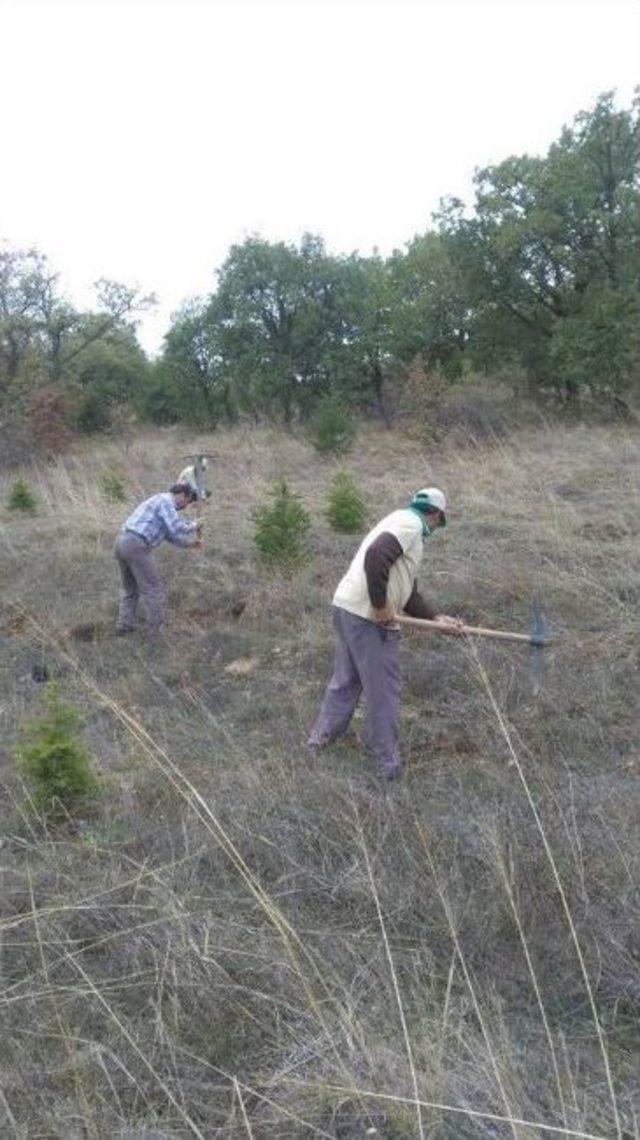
[(157, 520)]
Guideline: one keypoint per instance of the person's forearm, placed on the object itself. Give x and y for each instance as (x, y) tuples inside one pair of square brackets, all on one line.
[(184, 537), (181, 532)]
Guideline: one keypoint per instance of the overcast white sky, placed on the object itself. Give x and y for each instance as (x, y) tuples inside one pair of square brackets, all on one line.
[(141, 138)]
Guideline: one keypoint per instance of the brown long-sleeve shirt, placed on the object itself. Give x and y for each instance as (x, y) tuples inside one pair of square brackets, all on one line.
[(378, 560)]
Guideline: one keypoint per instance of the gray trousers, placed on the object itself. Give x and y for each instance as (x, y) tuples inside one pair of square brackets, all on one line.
[(139, 580), (367, 661)]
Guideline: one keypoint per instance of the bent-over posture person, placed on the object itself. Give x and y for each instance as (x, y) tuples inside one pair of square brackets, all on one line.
[(380, 582), (154, 521)]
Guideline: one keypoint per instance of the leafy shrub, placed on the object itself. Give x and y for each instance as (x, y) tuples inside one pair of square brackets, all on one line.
[(281, 529), (113, 487), (346, 510), (53, 757), (21, 497), (332, 426)]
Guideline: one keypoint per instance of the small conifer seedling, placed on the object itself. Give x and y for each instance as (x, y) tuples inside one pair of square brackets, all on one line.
[(21, 497), (346, 509), (54, 758), (280, 530)]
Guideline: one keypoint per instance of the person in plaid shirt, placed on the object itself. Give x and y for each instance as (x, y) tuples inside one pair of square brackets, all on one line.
[(154, 521)]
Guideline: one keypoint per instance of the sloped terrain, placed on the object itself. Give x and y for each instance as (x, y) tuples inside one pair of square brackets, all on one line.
[(238, 940)]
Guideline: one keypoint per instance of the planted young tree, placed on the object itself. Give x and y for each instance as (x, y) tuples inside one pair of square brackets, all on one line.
[(280, 530), (21, 497), (113, 487), (346, 508), (54, 757)]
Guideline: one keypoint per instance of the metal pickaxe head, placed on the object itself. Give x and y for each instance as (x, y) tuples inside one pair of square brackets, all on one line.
[(539, 630), (538, 641)]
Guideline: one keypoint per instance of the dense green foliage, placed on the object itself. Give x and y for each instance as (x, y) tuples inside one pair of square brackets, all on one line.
[(280, 530), (346, 508), (54, 758), (549, 259), (536, 280)]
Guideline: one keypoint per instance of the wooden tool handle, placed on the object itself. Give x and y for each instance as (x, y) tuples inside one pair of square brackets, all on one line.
[(476, 630)]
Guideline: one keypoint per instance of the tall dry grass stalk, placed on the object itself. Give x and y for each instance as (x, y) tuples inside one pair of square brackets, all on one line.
[(561, 892), (394, 979)]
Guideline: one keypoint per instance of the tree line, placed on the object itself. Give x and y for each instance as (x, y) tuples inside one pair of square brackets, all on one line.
[(537, 279), (62, 368)]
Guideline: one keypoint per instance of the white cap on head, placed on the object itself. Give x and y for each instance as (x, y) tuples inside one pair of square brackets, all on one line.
[(431, 498)]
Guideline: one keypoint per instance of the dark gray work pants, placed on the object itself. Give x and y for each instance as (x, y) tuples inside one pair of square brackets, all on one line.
[(139, 580), (367, 661)]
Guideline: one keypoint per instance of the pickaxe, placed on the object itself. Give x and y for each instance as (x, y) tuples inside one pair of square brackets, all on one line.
[(537, 638)]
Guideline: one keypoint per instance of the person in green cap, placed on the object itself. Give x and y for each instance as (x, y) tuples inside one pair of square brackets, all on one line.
[(380, 582)]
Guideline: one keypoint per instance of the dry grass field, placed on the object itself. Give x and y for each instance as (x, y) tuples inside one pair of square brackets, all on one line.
[(235, 940)]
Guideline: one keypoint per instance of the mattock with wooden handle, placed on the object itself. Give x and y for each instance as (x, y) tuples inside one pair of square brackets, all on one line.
[(537, 639)]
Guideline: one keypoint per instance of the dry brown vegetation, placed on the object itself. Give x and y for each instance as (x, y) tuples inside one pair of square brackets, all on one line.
[(237, 941)]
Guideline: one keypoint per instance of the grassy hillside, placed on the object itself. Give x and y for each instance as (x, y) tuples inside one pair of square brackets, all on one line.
[(235, 940)]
